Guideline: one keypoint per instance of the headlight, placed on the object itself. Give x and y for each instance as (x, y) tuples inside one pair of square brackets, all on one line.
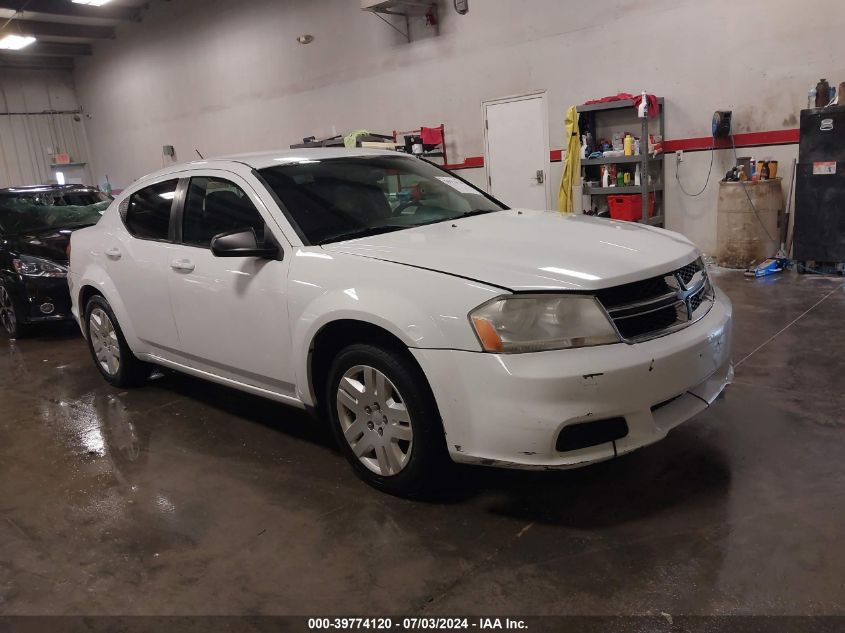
[(36, 267), (533, 323)]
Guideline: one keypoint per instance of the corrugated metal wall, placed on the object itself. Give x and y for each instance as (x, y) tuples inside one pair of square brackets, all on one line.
[(27, 143), (31, 130)]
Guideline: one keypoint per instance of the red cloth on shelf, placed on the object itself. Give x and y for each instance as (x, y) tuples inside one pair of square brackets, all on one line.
[(617, 97), (652, 104), (622, 96), (431, 135)]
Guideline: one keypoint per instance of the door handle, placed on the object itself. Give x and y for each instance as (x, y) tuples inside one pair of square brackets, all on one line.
[(113, 253), (540, 176), (183, 265)]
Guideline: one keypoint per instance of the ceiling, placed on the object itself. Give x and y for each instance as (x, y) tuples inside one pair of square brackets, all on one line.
[(64, 30)]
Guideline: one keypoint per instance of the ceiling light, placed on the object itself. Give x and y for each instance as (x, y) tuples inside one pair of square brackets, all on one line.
[(93, 3), (15, 42)]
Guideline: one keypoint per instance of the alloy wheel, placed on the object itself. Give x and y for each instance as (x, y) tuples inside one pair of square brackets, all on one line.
[(375, 420), (104, 341), (7, 311)]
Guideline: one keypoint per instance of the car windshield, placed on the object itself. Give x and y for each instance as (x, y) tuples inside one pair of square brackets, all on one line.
[(42, 210), (338, 199)]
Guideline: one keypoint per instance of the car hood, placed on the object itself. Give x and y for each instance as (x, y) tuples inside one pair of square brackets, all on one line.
[(523, 250), (51, 244)]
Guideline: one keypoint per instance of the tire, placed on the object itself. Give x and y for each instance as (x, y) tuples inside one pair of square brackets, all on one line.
[(397, 433), (10, 321), (111, 355)]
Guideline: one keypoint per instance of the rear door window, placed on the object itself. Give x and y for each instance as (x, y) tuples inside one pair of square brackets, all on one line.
[(148, 214)]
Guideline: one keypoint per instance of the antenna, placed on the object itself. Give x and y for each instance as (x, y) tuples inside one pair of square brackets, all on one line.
[(198, 154)]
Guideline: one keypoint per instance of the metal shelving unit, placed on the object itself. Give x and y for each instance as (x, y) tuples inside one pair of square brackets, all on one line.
[(603, 191), (646, 162)]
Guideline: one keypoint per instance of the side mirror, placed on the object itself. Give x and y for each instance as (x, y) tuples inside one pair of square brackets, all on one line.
[(241, 243)]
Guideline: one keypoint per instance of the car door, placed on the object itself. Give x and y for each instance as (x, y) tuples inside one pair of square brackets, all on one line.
[(136, 257), (231, 313)]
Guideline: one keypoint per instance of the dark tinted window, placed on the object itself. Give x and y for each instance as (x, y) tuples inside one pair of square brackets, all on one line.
[(335, 199), (148, 215), (217, 206)]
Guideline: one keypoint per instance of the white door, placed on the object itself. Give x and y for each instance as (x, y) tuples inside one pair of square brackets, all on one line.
[(136, 258), (517, 151), (231, 312)]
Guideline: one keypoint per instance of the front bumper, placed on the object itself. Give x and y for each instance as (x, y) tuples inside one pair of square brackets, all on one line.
[(39, 299), (508, 410)]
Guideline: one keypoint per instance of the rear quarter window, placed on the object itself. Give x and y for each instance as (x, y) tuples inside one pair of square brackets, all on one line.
[(147, 214)]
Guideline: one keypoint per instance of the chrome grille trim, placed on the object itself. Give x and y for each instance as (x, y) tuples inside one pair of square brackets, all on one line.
[(667, 299), (665, 304)]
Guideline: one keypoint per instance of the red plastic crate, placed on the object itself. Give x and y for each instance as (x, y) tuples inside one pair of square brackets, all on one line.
[(629, 207)]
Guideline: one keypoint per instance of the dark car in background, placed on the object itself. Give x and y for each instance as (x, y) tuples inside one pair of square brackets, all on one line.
[(35, 227)]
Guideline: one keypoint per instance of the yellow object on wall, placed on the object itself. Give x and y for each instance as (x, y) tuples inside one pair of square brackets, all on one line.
[(572, 162)]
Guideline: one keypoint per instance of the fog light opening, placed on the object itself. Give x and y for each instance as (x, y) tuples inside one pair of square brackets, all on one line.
[(47, 308), (587, 434)]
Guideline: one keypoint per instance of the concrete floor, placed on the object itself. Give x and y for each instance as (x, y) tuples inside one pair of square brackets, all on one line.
[(186, 498)]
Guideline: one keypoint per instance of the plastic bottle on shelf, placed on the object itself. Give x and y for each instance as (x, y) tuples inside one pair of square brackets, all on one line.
[(629, 145), (822, 93), (583, 146), (637, 177), (642, 110)]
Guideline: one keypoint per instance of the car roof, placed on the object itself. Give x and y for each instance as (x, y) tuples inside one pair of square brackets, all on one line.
[(46, 188), (260, 160)]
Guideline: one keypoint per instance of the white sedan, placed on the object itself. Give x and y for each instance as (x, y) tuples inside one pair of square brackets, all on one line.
[(422, 318)]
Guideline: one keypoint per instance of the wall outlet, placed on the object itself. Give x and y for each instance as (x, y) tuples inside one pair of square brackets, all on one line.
[(679, 156)]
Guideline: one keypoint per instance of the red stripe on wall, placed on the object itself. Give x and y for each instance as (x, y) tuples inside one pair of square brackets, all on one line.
[(750, 139)]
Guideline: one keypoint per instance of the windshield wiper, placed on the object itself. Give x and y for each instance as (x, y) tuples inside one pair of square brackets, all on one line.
[(465, 214), (469, 214), (366, 231)]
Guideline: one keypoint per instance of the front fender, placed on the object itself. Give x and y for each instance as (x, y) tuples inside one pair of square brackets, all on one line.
[(422, 308)]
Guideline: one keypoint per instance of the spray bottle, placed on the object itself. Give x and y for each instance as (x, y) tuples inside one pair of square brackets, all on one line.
[(642, 111)]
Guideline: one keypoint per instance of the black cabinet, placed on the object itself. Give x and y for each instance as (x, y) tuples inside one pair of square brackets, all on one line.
[(820, 187)]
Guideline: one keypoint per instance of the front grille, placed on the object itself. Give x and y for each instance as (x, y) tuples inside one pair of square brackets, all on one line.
[(659, 305), (688, 272)]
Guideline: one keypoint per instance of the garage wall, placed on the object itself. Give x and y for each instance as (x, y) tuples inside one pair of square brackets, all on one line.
[(28, 136), (228, 77)]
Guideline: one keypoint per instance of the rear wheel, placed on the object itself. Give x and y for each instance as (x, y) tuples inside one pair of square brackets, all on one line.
[(108, 347), (9, 317), (385, 420)]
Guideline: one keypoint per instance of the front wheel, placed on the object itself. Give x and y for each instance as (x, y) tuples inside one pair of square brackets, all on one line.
[(108, 347), (385, 420), (9, 316)]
